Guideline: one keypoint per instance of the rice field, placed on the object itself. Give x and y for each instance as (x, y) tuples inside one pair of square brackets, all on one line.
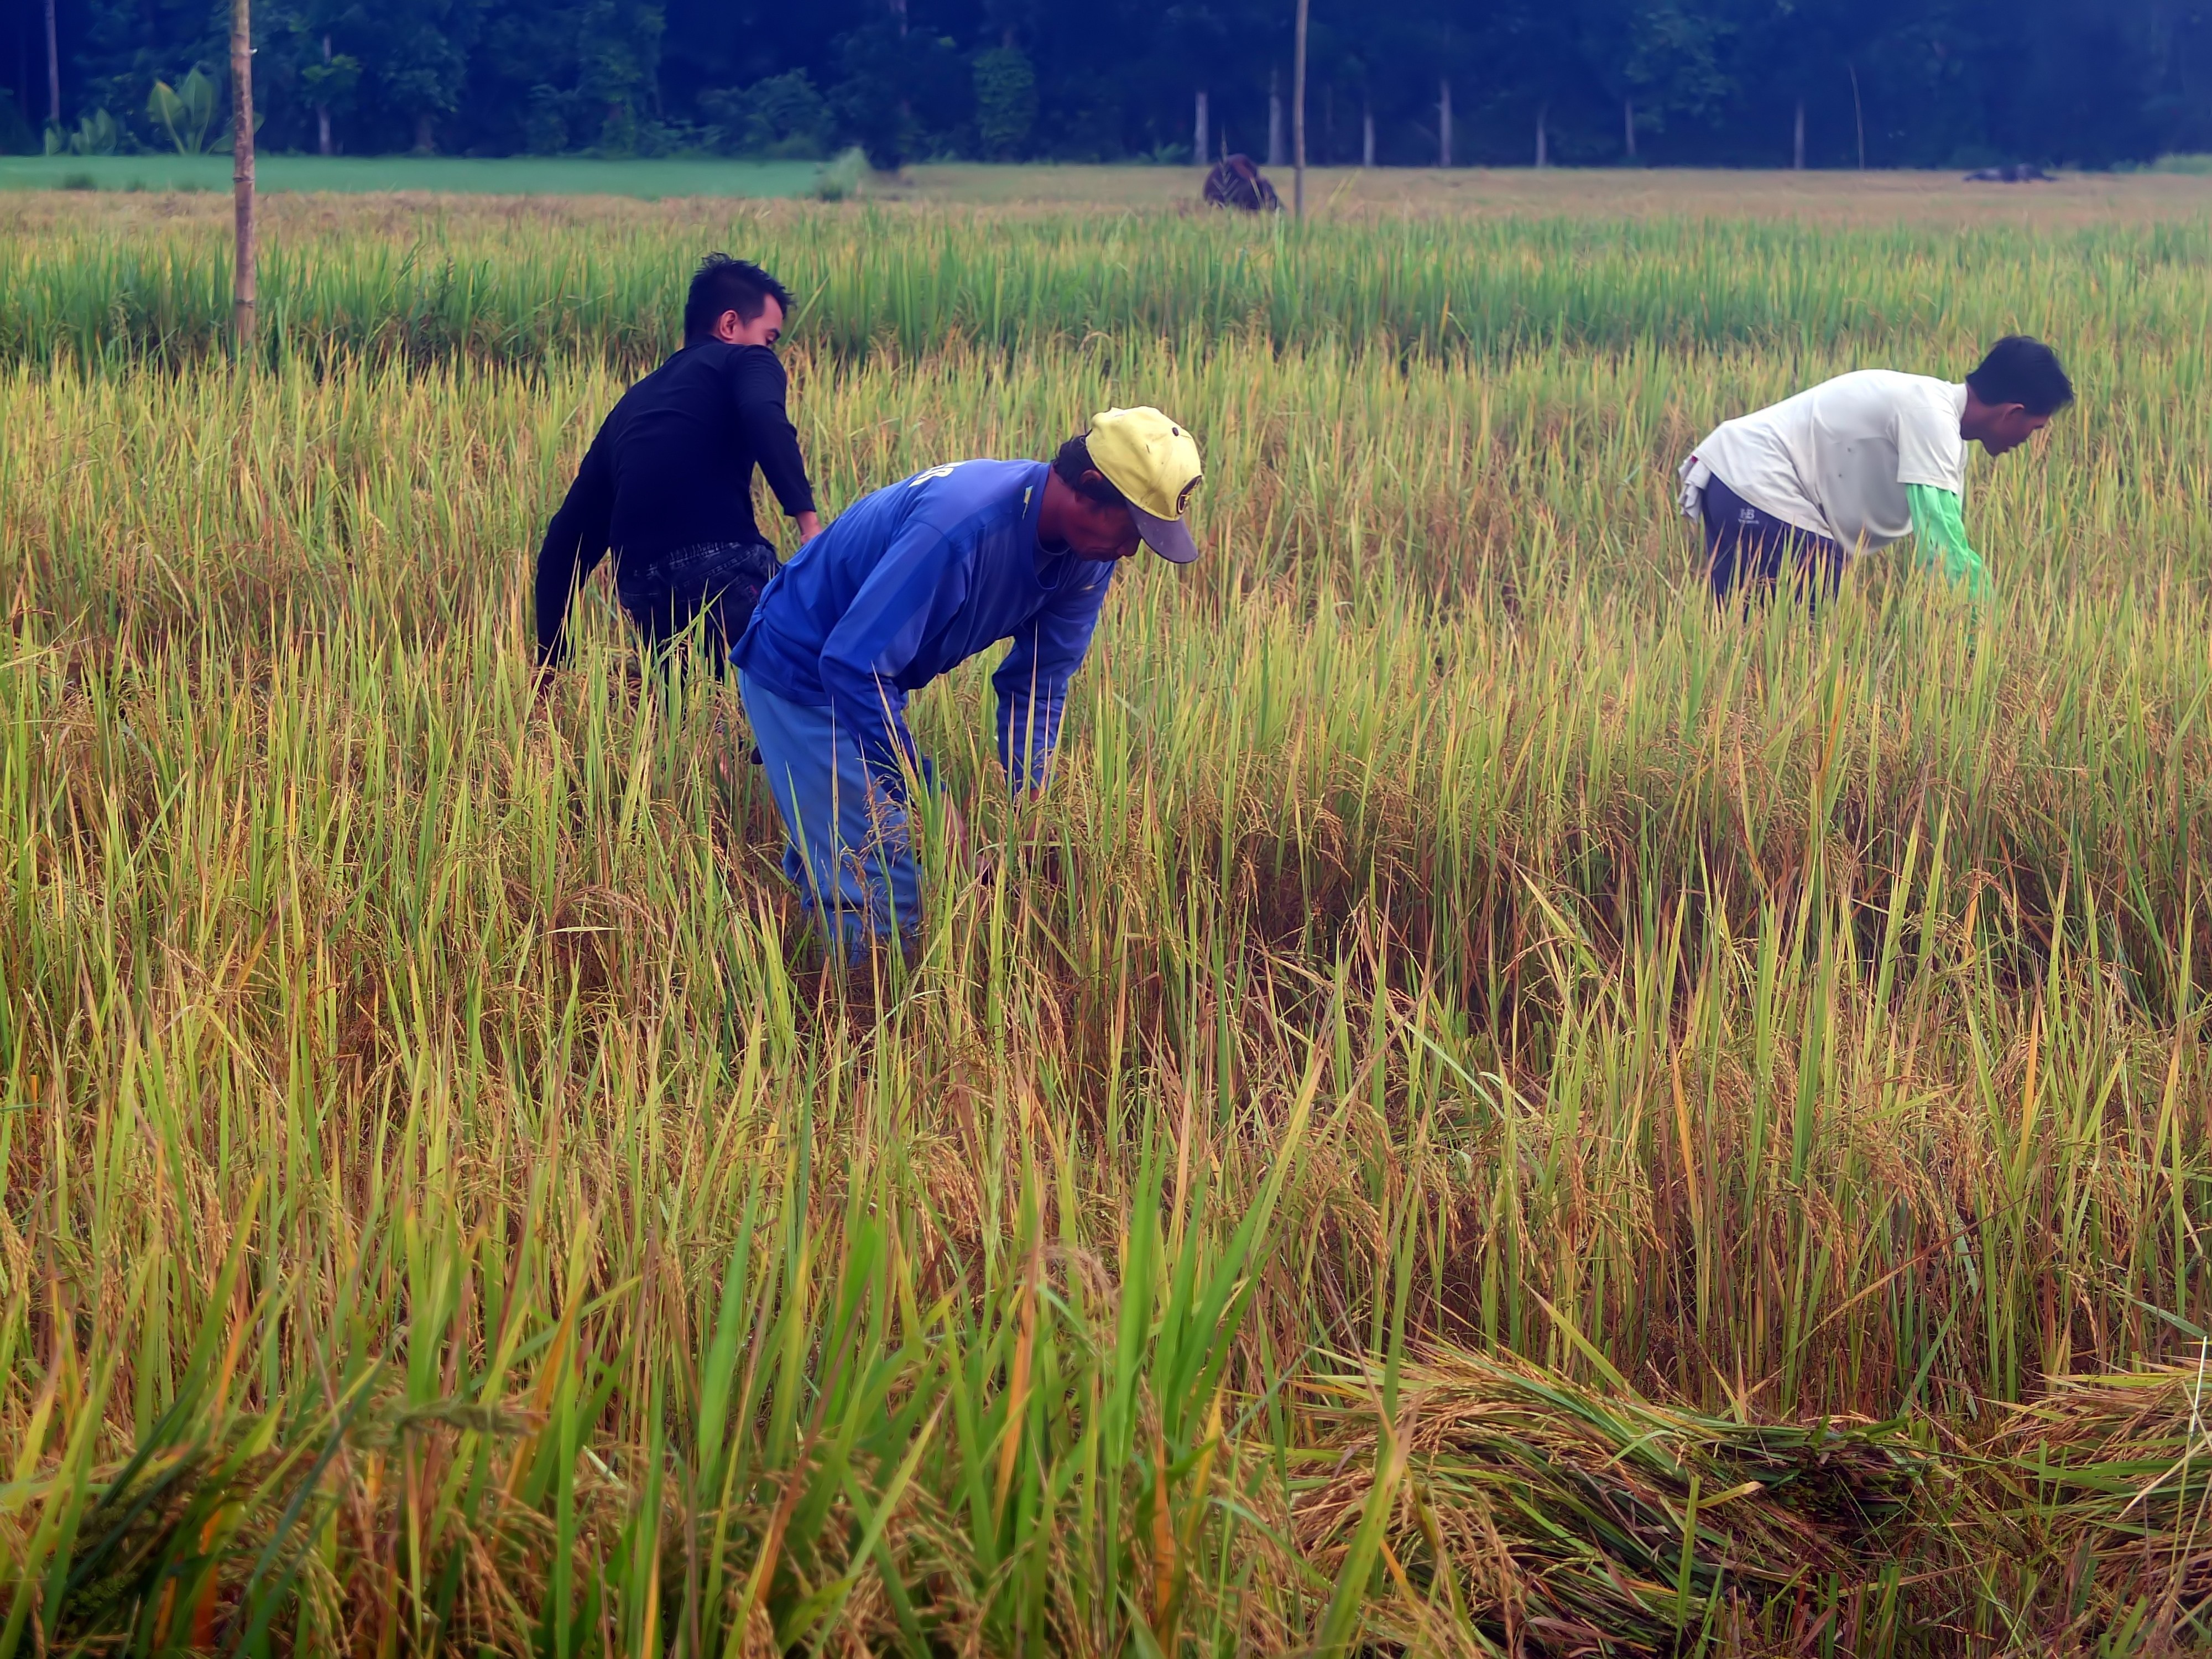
[(1489, 1112)]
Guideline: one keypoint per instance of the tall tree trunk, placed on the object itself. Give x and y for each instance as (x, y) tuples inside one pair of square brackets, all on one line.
[(323, 112), (1366, 133), (426, 138), (1543, 136), (1298, 115), (248, 254), (1443, 122), (1797, 140), (1199, 135), (53, 67), (1628, 124), (1858, 113), (1274, 117)]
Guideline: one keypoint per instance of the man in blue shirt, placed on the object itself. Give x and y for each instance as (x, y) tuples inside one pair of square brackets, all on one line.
[(905, 585)]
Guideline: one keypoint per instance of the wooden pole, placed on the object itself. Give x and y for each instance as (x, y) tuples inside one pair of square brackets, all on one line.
[(242, 286), (1298, 117), (53, 69), (1858, 113), (323, 109)]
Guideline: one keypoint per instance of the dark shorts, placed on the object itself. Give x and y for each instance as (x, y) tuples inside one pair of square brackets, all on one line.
[(715, 585), (1748, 553)]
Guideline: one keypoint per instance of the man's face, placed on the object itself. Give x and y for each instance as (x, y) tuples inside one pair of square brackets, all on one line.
[(1098, 530), (764, 330), (2010, 426)]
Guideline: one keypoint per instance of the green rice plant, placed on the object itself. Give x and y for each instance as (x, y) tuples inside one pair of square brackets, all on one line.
[(1488, 1104), (515, 286)]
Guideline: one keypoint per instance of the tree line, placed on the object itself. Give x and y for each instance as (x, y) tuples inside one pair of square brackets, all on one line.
[(1428, 82)]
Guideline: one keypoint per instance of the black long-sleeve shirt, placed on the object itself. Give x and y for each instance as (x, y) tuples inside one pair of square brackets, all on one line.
[(672, 467)]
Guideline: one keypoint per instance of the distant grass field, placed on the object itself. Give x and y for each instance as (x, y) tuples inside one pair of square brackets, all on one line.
[(459, 175), (1490, 1111), (2179, 187), (1878, 199), (523, 280)]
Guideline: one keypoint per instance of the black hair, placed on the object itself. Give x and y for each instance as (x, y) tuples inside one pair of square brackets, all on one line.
[(721, 284), (2023, 371), (1073, 461)]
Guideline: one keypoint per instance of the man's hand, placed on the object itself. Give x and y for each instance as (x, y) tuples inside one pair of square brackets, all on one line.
[(810, 526)]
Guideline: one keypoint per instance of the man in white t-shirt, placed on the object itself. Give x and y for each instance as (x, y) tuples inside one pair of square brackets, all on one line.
[(1859, 462)]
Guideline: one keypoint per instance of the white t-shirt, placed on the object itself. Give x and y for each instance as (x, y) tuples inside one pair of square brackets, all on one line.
[(1835, 460)]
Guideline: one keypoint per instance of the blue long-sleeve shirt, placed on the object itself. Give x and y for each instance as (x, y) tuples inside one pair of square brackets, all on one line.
[(911, 581)]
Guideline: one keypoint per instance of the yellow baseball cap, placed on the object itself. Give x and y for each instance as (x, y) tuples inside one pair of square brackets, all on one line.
[(1154, 462)]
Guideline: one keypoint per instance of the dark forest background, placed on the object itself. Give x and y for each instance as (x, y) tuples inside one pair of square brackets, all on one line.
[(1748, 83)]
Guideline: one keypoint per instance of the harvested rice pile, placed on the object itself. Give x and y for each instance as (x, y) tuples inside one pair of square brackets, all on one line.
[(1557, 1518)]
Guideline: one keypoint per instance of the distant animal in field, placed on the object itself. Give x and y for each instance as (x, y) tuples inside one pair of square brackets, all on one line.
[(1237, 182), (2019, 173)]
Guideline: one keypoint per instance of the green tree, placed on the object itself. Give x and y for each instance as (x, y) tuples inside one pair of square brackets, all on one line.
[(1657, 60), (16, 137), (328, 79), (617, 60), (123, 46), (422, 65), (1731, 81), (1005, 102), (903, 92), (1801, 55), (779, 115)]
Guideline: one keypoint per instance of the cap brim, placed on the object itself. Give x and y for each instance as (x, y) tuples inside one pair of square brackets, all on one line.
[(1169, 537)]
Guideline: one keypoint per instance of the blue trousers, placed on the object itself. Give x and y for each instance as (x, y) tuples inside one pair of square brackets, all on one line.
[(850, 851), (1748, 553)]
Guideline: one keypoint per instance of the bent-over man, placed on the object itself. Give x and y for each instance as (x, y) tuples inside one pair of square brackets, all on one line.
[(667, 483), (1797, 491), (905, 585)]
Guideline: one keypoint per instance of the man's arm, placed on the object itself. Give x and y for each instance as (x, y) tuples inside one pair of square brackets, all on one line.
[(757, 387), (1939, 532), (574, 544), (1032, 681), (917, 582)]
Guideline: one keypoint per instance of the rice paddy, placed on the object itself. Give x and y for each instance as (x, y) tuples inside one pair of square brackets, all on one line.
[(1490, 1111)]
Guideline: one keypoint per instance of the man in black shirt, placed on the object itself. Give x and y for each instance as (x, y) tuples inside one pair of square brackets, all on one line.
[(667, 484)]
